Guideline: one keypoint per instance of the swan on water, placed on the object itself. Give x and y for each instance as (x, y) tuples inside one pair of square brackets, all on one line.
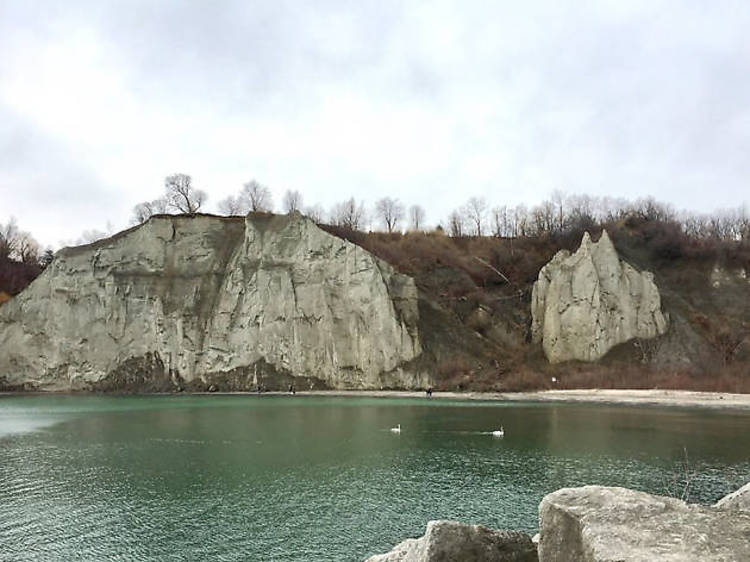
[(499, 432), (396, 429)]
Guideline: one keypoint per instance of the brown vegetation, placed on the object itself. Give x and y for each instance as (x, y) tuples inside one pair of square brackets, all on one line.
[(494, 274), (15, 276)]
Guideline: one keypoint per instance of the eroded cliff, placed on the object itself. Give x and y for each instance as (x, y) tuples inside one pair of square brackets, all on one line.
[(584, 304), (195, 301)]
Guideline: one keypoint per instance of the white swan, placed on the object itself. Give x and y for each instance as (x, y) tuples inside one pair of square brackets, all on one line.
[(499, 432), (396, 429)]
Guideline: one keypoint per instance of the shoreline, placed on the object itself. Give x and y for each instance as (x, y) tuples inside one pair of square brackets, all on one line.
[(653, 397), (674, 398)]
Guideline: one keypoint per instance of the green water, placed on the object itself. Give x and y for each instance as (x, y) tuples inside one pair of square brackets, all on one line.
[(309, 478)]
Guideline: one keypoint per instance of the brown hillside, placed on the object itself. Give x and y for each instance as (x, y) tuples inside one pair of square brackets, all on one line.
[(482, 286)]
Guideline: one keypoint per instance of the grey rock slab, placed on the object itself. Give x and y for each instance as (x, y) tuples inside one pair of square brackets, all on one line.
[(601, 524)]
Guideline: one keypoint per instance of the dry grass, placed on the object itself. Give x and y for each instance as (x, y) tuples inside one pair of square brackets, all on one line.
[(734, 378), (526, 376)]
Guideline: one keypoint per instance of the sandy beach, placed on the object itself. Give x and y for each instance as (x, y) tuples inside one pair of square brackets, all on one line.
[(677, 398)]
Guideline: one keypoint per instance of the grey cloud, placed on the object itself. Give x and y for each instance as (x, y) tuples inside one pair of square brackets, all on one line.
[(622, 98), (44, 185)]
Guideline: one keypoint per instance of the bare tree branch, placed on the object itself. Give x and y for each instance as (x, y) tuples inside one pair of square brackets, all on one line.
[(416, 217), (257, 196), (292, 201), (476, 211), (390, 211), (234, 206), (181, 195), (349, 213)]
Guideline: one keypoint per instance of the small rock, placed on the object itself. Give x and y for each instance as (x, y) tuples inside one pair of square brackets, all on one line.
[(448, 541)]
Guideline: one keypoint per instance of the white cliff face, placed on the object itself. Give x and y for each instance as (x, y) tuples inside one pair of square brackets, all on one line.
[(584, 304), (200, 300)]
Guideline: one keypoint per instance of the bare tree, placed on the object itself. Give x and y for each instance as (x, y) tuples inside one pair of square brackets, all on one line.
[(8, 238), (456, 222), (90, 236), (694, 226), (316, 213), (15, 244), (558, 200), (723, 224), (349, 213), (730, 224), (181, 195), (27, 249), (141, 213), (416, 217), (611, 209), (389, 211), (234, 206), (520, 221), (652, 210), (144, 211), (744, 222), (258, 197), (501, 222), (475, 211), (543, 217), (292, 201)]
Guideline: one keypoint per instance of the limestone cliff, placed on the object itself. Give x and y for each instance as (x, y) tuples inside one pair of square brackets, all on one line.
[(196, 301), (584, 304)]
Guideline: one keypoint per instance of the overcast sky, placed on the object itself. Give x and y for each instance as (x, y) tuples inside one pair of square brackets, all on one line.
[(431, 102)]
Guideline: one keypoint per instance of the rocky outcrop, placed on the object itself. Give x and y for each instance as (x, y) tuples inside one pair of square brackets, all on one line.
[(584, 304), (194, 301), (446, 541), (598, 524), (739, 500)]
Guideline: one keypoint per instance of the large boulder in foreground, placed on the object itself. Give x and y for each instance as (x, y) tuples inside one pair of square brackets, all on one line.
[(584, 304), (195, 301), (739, 500), (599, 524), (450, 541)]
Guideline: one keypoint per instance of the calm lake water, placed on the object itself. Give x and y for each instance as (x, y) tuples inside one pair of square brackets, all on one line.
[(311, 478)]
